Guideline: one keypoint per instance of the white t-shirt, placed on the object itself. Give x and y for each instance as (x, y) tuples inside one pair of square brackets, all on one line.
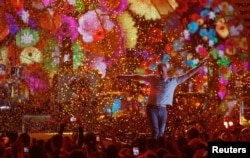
[(162, 90)]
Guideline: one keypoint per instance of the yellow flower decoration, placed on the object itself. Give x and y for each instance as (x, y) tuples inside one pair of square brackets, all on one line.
[(144, 8), (3, 55), (127, 22), (30, 55)]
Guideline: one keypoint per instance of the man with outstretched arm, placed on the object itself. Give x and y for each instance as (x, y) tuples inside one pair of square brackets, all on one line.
[(161, 94)]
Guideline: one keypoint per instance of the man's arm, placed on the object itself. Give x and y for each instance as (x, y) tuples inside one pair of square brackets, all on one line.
[(63, 124), (132, 76), (193, 71)]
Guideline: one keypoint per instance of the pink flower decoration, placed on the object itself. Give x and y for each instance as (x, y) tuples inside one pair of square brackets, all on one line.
[(48, 2), (202, 51), (116, 8), (222, 94), (245, 66), (234, 68), (221, 47), (223, 81), (100, 65), (92, 22), (68, 28), (36, 84)]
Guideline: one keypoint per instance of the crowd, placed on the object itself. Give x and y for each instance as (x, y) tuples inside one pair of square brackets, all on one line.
[(193, 143)]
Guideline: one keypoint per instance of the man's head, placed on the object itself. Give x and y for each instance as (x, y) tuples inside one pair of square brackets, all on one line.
[(163, 69)]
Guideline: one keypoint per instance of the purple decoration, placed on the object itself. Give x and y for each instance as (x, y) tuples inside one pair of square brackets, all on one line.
[(36, 84), (202, 72), (68, 28), (145, 55), (48, 2), (220, 47), (10, 18), (13, 29), (222, 94), (245, 65), (233, 67), (33, 24), (223, 81), (92, 22), (109, 62), (117, 53)]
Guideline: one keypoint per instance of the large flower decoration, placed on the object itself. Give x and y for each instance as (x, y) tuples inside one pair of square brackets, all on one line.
[(128, 25), (68, 28), (30, 55), (101, 35), (13, 27), (27, 37), (144, 8), (93, 25), (111, 46)]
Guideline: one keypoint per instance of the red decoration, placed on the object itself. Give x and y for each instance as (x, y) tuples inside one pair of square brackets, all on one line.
[(182, 6), (223, 70), (167, 48), (194, 17), (215, 3), (184, 21), (99, 34), (17, 4), (203, 3), (222, 87)]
